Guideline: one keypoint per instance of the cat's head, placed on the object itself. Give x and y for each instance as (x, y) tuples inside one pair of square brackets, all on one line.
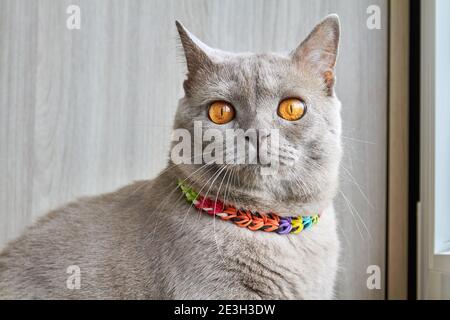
[(290, 96)]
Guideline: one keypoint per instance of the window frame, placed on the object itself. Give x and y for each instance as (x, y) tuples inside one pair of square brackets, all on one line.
[(433, 257)]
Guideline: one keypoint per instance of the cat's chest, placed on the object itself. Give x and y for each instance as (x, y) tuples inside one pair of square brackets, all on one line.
[(260, 265), (285, 267)]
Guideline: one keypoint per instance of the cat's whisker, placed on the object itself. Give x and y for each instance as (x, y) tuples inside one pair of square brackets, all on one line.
[(212, 183), (164, 190), (297, 182), (162, 205), (218, 171), (164, 201), (357, 214), (355, 222), (214, 177), (178, 164), (358, 186), (358, 140), (354, 212), (236, 184), (214, 219), (301, 184), (227, 186)]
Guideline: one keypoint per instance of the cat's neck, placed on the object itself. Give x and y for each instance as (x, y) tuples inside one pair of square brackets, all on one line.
[(263, 194)]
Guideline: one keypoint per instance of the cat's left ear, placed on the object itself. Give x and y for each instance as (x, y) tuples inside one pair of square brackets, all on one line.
[(195, 51), (320, 49)]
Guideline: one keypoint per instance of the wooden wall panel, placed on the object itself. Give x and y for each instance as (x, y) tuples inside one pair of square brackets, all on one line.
[(86, 111), (398, 151)]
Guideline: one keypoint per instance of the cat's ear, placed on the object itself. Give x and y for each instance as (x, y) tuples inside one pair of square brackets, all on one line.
[(195, 51), (320, 49)]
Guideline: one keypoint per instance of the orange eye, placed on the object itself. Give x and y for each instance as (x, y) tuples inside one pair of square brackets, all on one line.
[(221, 112), (291, 109)]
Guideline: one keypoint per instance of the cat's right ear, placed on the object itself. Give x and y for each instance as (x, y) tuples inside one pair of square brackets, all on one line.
[(195, 51), (320, 49)]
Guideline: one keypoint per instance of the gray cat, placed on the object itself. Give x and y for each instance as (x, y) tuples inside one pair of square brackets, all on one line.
[(145, 241)]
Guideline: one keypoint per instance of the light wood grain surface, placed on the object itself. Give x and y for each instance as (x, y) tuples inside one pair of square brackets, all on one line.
[(86, 111)]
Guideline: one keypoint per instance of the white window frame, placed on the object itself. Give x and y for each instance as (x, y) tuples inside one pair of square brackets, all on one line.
[(434, 207)]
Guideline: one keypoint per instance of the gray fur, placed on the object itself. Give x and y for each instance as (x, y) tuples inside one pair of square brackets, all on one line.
[(145, 242)]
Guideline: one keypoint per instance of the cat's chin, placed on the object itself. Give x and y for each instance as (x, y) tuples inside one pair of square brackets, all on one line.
[(280, 170), (263, 200), (248, 188)]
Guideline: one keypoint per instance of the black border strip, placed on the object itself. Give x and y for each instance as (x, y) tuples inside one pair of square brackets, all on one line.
[(414, 144)]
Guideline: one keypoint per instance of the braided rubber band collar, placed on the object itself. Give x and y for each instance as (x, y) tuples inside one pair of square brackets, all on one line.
[(254, 221)]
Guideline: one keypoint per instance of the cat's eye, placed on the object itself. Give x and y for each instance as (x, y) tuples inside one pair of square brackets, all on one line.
[(221, 112), (291, 109)]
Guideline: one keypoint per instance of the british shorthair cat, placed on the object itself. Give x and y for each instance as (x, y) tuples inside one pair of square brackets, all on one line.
[(211, 230)]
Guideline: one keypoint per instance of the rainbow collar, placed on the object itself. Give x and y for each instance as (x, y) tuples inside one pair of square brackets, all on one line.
[(254, 221)]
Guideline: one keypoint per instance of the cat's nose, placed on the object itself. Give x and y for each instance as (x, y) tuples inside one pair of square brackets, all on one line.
[(261, 136)]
